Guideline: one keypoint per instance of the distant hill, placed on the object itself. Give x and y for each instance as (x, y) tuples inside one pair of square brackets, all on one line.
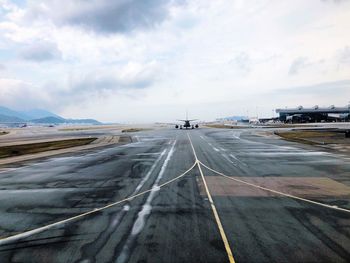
[(39, 113), (11, 113), (5, 118), (39, 116), (59, 120), (49, 120)]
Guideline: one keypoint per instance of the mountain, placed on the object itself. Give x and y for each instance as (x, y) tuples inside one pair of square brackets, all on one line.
[(39, 113), (59, 120), (47, 120), (39, 116), (11, 113), (6, 118)]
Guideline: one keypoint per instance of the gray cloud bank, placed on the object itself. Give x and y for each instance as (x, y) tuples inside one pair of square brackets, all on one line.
[(105, 16), (96, 82), (128, 81), (40, 52), (333, 88)]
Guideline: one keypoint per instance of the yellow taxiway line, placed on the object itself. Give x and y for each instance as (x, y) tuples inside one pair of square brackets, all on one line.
[(213, 208)]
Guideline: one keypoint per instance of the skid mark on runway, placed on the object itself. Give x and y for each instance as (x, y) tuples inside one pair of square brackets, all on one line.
[(41, 229), (276, 150), (235, 162), (16, 237), (229, 160), (145, 211), (237, 159), (90, 250), (142, 160), (141, 154), (260, 151), (144, 179), (141, 219)]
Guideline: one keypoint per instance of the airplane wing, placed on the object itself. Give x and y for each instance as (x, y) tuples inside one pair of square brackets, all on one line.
[(188, 120)]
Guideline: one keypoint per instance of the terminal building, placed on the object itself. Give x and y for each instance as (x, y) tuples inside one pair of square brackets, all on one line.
[(315, 114)]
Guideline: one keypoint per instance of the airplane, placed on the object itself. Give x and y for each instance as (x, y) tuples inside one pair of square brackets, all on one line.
[(187, 124)]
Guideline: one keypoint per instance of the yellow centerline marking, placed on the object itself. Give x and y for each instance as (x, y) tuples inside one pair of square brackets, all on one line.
[(215, 212)]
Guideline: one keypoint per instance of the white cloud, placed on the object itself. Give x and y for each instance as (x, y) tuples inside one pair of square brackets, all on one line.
[(343, 55), (193, 55), (21, 95)]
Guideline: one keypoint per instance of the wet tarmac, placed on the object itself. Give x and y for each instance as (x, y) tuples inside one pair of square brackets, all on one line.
[(175, 222)]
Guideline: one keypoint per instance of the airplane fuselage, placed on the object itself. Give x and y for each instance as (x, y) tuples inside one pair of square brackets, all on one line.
[(187, 124)]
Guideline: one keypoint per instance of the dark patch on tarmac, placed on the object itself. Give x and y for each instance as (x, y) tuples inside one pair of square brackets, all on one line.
[(181, 226), (305, 216)]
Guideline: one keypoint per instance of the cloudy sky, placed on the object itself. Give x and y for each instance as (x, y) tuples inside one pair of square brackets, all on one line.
[(150, 60)]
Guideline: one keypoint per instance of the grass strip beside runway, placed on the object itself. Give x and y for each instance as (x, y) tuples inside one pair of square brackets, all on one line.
[(31, 148), (313, 137), (135, 130)]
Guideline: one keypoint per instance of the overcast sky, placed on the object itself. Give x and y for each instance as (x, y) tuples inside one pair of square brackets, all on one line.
[(150, 60)]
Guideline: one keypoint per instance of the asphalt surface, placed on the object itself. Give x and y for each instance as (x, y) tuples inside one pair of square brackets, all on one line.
[(175, 222)]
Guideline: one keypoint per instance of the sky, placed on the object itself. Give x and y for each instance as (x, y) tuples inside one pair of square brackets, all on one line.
[(151, 60)]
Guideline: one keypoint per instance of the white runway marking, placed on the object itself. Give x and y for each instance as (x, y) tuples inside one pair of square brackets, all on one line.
[(238, 160), (216, 149), (228, 159), (145, 211), (144, 179), (28, 233)]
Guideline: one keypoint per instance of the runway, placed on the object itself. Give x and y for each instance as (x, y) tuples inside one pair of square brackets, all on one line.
[(163, 211)]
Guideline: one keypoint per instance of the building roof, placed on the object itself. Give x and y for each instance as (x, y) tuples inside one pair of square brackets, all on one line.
[(316, 109)]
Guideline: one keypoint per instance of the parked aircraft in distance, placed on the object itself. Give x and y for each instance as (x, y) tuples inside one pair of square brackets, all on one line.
[(187, 124)]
